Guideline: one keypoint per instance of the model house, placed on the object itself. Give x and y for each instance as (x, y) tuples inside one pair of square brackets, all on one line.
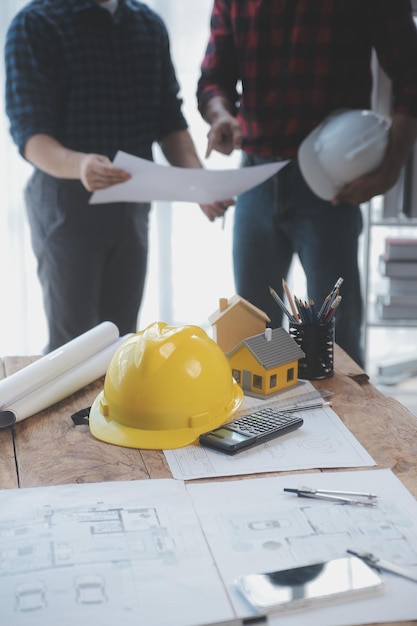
[(265, 363), (235, 320)]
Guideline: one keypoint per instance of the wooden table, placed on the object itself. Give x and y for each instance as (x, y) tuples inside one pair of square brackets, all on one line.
[(47, 449)]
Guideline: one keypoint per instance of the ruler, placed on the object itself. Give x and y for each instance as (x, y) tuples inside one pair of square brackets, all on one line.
[(302, 402), (307, 397)]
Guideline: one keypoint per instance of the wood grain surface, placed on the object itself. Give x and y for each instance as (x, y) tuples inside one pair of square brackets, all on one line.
[(48, 449)]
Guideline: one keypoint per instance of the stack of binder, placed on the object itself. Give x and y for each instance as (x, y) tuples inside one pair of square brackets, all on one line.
[(399, 265)]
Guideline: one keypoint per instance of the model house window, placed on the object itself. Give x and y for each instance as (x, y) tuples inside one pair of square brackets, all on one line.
[(290, 374), (257, 382), (236, 375), (273, 381)]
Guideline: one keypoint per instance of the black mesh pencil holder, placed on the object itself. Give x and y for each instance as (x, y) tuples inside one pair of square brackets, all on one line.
[(317, 343)]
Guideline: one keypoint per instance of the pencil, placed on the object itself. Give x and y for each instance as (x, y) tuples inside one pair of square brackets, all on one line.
[(313, 310), (281, 304), (309, 314), (290, 300), (301, 311)]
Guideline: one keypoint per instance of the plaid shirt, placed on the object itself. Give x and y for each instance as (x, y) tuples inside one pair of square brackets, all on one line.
[(299, 60), (95, 82)]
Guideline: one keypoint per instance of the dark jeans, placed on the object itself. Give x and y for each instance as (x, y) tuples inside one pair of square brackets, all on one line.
[(91, 258), (283, 217)]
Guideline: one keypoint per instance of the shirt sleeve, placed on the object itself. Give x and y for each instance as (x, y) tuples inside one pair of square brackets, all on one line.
[(219, 69), (170, 117), (31, 53), (395, 42)]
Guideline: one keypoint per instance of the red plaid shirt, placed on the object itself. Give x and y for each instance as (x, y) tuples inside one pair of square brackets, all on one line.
[(299, 60)]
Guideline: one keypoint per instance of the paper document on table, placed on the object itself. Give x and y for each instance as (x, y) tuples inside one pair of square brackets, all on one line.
[(58, 374), (253, 526), (110, 553), (159, 552), (152, 182), (322, 442)]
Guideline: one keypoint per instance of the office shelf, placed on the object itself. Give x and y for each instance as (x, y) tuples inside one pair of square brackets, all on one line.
[(376, 229)]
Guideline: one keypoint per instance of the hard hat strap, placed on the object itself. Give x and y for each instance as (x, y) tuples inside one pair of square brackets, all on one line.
[(80, 418)]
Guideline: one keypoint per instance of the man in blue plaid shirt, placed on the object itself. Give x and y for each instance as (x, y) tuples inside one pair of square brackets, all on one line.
[(84, 79)]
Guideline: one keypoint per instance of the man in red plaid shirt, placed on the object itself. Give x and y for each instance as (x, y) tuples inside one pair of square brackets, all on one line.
[(273, 70)]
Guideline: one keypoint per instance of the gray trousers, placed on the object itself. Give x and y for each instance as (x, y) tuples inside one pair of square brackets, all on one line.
[(92, 259)]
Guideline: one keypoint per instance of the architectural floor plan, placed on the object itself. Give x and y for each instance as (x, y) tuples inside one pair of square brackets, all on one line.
[(162, 552)]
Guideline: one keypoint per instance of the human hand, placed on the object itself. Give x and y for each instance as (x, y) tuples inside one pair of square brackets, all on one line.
[(366, 187), (225, 135), (216, 209), (98, 172)]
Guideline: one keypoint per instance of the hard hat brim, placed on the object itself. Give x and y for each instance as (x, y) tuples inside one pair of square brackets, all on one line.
[(311, 169), (110, 431)]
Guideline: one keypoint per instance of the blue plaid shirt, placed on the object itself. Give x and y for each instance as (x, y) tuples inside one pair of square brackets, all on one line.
[(95, 82)]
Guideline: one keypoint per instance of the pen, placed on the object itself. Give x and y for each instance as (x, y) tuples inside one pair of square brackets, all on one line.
[(324, 307), (332, 308), (328, 301), (337, 285), (328, 305)]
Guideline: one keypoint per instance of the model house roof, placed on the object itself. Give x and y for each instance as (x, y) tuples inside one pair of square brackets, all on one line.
[(279, 349), (227, 305)]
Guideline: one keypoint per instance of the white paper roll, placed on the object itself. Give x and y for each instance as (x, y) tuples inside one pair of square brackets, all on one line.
[(57, 363), (62, 386)]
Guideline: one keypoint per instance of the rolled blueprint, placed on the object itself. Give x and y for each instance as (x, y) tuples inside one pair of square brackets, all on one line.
[(56, 363), (60, 387)]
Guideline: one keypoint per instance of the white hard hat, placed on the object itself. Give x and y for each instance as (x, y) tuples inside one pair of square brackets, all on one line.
[(346, 145)]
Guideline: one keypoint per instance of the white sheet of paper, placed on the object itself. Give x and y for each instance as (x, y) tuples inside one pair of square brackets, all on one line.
[(322, 442), (152, 182), (159, 552), (56, 363), (55, 389), (252, 526), (125, 553)]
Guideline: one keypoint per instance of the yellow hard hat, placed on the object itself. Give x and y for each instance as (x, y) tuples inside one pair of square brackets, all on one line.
[(164, 387)]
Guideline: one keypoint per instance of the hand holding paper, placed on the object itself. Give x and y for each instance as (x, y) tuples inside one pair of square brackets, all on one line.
[(151, 182)]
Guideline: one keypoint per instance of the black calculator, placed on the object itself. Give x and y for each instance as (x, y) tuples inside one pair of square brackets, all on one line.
[(250, 430)]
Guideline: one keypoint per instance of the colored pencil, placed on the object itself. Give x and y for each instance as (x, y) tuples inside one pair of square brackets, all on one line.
[(290, 300), (281, 304)]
